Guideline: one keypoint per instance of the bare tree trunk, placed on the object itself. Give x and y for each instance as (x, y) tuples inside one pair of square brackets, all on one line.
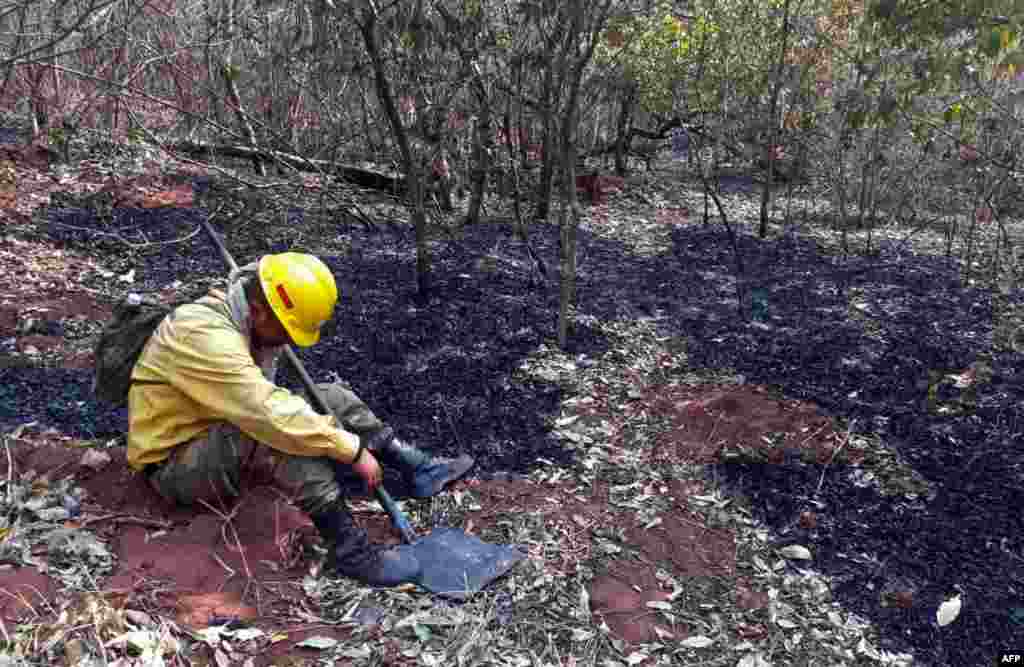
[(769, 150), (419, 220), (249, 132), (572, 78), (215, 18), (229, 73), (548, 99), (482, 152), (412, 167), (622, 136)]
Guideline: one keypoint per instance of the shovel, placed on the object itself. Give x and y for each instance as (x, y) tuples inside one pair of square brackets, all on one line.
[(455, 565)]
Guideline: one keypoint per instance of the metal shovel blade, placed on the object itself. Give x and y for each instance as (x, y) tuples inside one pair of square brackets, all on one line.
[(457, 565)]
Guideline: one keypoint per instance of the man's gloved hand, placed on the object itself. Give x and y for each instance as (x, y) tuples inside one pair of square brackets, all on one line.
[(369, 470)]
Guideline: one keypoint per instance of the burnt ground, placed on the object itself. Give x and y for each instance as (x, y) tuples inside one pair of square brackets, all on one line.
[(855, 337)]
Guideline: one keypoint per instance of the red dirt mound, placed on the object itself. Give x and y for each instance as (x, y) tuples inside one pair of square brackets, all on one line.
[(748, 419)]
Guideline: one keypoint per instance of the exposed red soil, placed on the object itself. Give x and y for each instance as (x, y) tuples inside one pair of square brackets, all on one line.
[(707, 423), (25, 593), (620, 599), (201, 568)]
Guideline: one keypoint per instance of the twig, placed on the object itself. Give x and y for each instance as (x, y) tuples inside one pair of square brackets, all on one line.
[(125, 518), (226, 518), (811, 436), (224, 565), (834, 455), (130, 244), (21, 599), (451, 423), (10, 470)]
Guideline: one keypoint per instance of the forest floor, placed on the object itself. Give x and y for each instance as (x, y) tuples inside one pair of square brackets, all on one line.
[(808, 486)]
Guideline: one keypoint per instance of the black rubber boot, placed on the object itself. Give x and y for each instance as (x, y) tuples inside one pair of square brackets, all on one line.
[(425, 474), (350, 553)]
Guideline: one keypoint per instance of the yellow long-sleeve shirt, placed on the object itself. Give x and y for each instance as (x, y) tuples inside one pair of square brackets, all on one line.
[(198, 369)]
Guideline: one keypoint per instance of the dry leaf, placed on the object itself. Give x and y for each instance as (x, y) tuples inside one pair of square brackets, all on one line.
[(581, 635), (754, 660), (697, 641), (948, 611), (796, 552), (318, 643), (584, 602)]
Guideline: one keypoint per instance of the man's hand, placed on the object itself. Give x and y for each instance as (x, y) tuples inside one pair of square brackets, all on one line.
[(368, 468)]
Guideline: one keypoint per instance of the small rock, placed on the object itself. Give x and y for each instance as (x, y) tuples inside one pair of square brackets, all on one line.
[(31, 350), (94, 459)]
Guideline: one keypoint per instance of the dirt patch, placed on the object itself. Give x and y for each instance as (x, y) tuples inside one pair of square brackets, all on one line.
[(708, 425), (24, 593), (54, 321), (619, 599), (679, 544), (693, 549)]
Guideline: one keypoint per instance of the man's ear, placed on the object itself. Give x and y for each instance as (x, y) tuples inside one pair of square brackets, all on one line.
[(259, 312)]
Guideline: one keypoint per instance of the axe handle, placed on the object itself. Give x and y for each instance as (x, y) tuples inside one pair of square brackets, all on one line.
[(399, 519)]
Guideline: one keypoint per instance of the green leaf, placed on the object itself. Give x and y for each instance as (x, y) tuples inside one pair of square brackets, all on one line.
[(423, 633)]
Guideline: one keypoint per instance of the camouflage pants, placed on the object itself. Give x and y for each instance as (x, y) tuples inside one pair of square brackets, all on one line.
[(218, 465)]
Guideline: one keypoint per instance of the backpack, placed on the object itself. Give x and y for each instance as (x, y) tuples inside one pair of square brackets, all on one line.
[(120, 345)]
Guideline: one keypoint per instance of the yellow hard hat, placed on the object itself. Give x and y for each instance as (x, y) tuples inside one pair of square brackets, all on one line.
[(301, 291)]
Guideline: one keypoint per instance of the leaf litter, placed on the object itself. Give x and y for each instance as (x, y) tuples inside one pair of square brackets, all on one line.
[(608, 421)]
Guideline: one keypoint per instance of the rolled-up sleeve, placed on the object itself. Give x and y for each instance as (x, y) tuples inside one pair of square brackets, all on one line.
[(212, 366)]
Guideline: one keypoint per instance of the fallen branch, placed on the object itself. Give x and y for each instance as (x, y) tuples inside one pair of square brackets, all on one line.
[(373, 180)]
